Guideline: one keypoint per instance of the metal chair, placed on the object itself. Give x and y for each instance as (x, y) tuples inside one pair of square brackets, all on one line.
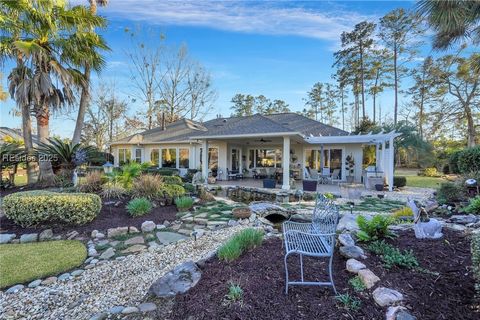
[(315, 239)]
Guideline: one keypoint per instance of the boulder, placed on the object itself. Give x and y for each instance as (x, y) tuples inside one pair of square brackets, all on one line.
[(368, 278), (346, 239), (354, 266), (148, 226), (29, 237), (169, 237), (348, 222), (386, 297), (45, 235), (6, 237), (113, 232), (354, 252), (181, 279), (463, 219)]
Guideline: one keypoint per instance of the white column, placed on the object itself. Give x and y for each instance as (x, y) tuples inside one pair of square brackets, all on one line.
[(286, 163), (205, 160), (391, 164), (240, 162)]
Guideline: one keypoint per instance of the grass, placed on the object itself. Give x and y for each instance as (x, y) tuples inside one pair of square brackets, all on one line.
[(24, 262), (244, 240), (372, 204), (348, 302), (235, 292), (425, 182), (357, 284)]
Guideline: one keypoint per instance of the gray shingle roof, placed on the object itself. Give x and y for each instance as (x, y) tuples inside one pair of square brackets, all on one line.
[(184, 130)]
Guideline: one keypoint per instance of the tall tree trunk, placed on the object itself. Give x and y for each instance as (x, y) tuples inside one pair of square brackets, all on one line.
[(362, 82), (46, 171), (82, 109), (395, 76), (343, 111), (27, 139), (471, 132)]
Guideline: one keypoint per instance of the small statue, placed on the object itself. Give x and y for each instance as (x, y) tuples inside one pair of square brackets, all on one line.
[(425, 228), (75, 178)]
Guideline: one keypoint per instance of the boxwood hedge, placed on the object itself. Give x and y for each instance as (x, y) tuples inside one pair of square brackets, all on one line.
[(33, 207)]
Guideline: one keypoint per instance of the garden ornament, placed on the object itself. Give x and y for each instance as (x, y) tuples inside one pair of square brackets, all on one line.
[(425, 227), (75, 178)]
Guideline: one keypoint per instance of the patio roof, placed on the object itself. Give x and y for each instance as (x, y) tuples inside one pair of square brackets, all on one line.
[(371, 138)]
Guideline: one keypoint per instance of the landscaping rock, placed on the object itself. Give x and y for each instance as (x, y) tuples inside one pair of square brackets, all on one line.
[(29, 237), (103, 242), (6, 237), (455, 227), (113, 232), (92, 252), (348, 222), (15, 289), (354, 266), (346, 239), (35, 283), (169, 237), (385, 296), (232, 223), (160, 226), (94, 261), (242, 212), (404, 315), (99, 235), (77, 273), (49, 280), (198, 233), (368, 278), (64, 277), (148, 226), (129, 310), (182, 278), (72, 234), (135, 240), (134, 248), (99, 316), (463, 219), (354, 252), (45, 235), (94, 233), (185, 232), (107, 254), (116, 309), (147, 307), (133, 230)]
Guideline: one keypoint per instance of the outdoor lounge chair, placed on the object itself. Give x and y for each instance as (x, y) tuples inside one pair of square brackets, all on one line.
[(315, 239), (231, 175)]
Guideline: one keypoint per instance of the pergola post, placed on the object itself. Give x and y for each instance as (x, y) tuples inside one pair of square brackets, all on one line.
[(205, 160), (391, 163), (286, 163)]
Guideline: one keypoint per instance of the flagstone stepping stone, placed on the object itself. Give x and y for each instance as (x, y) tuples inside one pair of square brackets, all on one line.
[(186, 232), (354, 266), (135, 248), (368, 278), (201, 215), (107, 254), (214, 216), (179, 280), (169, 237), (103, 242), (135, 240), (202, 221), (217, 223), (385, 296), (187, 219), (113, 232)]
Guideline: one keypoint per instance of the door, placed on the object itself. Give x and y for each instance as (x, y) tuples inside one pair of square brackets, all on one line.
[(235, 160)]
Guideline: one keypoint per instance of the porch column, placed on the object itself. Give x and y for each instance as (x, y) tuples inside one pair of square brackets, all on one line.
[(240, 163), (391, 164), (322, 159), (286, 163), (205, 160)]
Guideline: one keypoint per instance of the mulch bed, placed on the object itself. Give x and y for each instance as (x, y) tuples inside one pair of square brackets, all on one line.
[(260, 273), (110, 216)]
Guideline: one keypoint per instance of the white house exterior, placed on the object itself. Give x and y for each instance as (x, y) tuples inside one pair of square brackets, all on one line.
[(245, 144)]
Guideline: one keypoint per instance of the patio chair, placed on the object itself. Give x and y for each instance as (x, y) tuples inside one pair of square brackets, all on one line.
[(231, 175), (315, 239)]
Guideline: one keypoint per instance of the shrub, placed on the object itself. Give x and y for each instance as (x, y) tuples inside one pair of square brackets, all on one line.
[(190, 188), (375, 228), (450, 192), (399, 181), (172, 180), (129, 173), (475, 249), (357, 284), (402, 212), (92, 182), (431, 172), (348, 302), (469, 160), (392, 256), (453, 162), (172, 191), (473, 206), (139, 207), (235, 292), (184, 203), (113, 191), (147, 186), (239, 243), (33, 207)]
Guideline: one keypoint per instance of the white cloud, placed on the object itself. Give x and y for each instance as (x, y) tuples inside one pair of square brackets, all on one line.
[(270, 18)]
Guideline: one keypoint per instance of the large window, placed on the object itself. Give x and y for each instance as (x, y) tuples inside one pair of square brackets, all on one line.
[(124, 156), (265, 158), (332, 159), (169, 158), (155, 157), (138, 155), (184, 155)]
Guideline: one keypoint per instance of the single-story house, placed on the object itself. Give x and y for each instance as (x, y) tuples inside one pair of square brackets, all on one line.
[(269, 143)]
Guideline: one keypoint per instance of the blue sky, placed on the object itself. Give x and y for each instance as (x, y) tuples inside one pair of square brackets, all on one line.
[(278, 49)]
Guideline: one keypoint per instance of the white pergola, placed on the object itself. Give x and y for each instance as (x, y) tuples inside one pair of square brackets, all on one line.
[(385, 150)]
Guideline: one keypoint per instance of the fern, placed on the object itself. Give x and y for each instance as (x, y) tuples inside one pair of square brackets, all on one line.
[(375, 228)]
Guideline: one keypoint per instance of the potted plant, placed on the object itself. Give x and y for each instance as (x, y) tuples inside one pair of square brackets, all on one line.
[(350, 166), (269, 183)]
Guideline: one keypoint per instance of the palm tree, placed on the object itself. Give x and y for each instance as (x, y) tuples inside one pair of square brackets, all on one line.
[(51, 41), (85, 96), (453, 20)]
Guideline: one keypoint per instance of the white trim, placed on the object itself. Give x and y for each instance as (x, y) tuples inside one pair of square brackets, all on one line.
[(248, 135), (364, 138)]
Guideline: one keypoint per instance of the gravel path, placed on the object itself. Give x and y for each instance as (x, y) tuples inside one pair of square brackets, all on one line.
[(118, 282)]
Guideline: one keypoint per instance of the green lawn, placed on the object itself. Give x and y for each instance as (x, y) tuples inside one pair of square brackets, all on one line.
[(21, 263), (20, 180), (424, 182)]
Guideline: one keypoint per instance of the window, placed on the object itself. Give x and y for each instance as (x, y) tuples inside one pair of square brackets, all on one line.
[(155, 157), (332, 159), (265, 158), (184, 155), (235, 159), (169, 158), (124, 156), (138, 155)]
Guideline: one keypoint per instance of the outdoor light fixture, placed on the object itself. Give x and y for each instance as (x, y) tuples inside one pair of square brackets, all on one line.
[(108, 167)]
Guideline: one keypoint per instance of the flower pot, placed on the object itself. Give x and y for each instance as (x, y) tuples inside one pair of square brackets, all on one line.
[(379, 187), (310, 185), (350, 179), (269, 183)]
